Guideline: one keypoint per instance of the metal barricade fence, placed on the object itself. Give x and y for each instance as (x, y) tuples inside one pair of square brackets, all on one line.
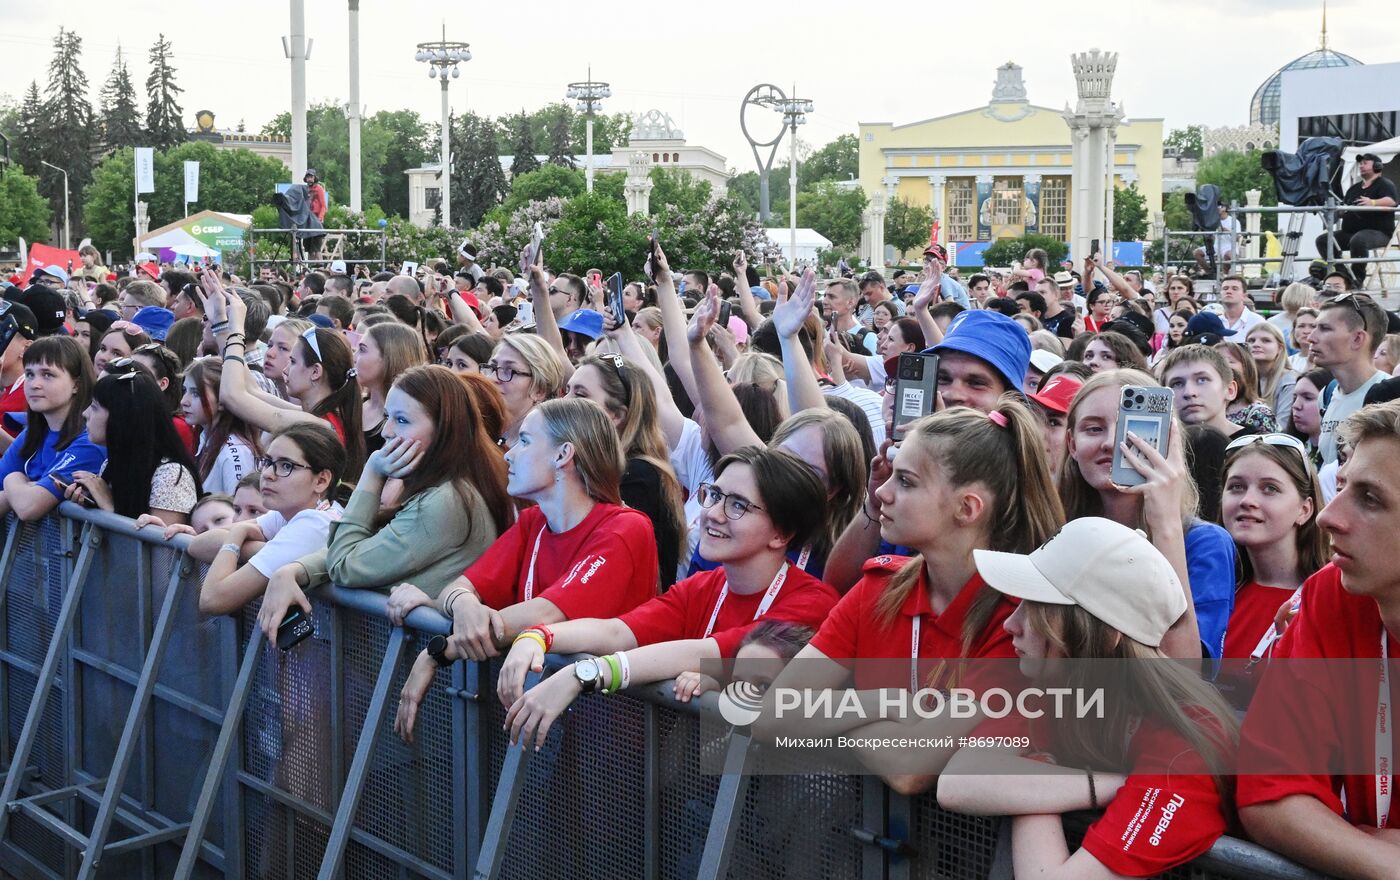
[(249, 762)]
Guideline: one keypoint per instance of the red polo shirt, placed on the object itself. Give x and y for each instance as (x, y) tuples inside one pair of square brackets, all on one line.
[(12, 401), (601, 567), (1167, 813), (1300, 716), (855, 630), (1255, 608), (684, 611)]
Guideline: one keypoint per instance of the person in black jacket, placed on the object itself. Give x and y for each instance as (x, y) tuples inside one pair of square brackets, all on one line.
[(1364, 231)]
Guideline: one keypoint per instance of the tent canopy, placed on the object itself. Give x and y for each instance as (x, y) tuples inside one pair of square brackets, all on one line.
[(1387, 150)]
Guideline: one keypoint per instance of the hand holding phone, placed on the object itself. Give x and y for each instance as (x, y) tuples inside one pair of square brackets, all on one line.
[(916, 389), (614, 288), (1146, 412), (295, 628)]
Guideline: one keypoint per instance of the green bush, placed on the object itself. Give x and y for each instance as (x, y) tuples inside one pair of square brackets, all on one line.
[(1005, 251)]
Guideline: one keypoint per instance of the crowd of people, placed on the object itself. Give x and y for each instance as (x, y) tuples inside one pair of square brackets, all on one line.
[(709, 469)]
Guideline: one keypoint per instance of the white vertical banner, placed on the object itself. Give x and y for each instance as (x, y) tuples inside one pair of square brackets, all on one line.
[(191, 182), (145, 170)]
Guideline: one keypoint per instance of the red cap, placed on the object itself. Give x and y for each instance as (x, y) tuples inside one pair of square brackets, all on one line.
[(1058, 393), (937, 250), (151, 269)]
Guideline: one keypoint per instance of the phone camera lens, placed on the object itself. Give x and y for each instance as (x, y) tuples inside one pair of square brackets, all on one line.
[(1140, 398)]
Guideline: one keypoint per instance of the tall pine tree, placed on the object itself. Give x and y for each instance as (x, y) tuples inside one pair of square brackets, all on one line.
[(478, 181), (524, 160), (558, 130), (67, 131), (121, 117), (165, 125), (29, 145)]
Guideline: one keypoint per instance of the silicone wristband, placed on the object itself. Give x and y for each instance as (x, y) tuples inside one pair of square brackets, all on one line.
[(616, 684), (533, 636), (545, 633)]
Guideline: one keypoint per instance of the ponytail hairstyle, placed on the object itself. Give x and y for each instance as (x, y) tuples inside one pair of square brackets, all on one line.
[(1004, 452), (597, 455), (461, 452), (140, 436), (1313, 544), (344, 401), (67, 354), (320, 447), (629, 389), (162, 363), (205, 373)]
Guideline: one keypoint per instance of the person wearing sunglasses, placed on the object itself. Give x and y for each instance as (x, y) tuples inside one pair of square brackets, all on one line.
[(1349, 329), (1269, 506), (300, 469), (149, 469), (319, 374), (762, 503)]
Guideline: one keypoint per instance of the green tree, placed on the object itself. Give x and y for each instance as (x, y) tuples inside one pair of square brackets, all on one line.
[(838, 160), (478, 181), (408, 144), (121, 117), (1004, 251), (67, 130), (1129, 213), (834, 212), (23, 212), (593, 230), (1185, 142), (539, 185), (608, 132), (165, 123), (679, 189), (907, 226), (558, 134), (231, 181), (523, 148), (30, 128)]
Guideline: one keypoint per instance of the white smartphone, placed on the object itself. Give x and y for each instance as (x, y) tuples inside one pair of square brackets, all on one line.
[(1146, 412)]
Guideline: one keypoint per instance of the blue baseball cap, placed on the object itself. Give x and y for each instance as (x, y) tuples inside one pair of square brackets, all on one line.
[(1207, 322), (322, 321), (585, 321), (992, 337), (155, 321)]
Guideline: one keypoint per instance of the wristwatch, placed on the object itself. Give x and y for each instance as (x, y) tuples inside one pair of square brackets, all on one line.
[(589, 675), (437, 649)]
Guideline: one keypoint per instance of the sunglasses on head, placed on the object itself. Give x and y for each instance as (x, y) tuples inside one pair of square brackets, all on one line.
[(1285, 440)]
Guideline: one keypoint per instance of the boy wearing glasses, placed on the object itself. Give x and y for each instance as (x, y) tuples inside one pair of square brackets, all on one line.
[(1349, 329)]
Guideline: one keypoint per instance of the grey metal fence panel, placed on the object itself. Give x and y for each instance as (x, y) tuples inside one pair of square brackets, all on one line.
[(619, 791)]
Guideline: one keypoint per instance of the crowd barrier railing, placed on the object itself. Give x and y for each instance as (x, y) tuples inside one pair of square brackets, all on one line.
[(142, 739)]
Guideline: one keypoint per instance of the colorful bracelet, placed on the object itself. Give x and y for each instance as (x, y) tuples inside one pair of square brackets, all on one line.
[(534, 636), (545, 632), (616, 684)]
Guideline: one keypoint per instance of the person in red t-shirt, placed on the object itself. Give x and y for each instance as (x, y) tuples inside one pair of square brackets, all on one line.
[(1342, 824), (961, 480), (1269, 506), (1162, 782), (763, 503), (577, 553), (18, 324)]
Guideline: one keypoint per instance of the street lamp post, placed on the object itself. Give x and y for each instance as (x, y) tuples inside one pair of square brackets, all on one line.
[(589, 95), (352, 109), (67, 241), (794, 110), (442, 56)]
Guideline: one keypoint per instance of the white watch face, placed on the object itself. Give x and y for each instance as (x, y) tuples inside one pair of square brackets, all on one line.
[(586, 671)]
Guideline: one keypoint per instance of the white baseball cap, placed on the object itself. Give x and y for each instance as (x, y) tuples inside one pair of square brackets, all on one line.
[(338, 267), (1109, 570), (1045, 361)]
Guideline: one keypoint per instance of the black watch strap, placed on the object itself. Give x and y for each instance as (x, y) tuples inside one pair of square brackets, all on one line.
[(437, 649)]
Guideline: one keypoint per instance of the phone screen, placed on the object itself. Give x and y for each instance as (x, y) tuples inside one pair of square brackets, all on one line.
[(614, 290)]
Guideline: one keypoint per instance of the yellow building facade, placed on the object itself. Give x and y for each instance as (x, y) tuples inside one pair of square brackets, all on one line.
[(998, 171)]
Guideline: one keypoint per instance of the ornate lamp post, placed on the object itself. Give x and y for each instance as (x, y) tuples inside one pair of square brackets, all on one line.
[(442, 57), (589, 94)]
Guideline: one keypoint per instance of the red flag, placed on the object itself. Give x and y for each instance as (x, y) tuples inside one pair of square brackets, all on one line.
[(933, 233), (42, 256)]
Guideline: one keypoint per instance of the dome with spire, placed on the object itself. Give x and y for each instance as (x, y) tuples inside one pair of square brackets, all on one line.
[(1264, 107)]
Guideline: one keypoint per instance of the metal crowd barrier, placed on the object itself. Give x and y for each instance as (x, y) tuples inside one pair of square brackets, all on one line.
[(140, 739)]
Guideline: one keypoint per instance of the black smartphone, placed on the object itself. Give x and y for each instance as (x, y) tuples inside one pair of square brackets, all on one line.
[(294, 629), (614, 288), (915, 390), (725, 310), (1094, 249), (651, 253)]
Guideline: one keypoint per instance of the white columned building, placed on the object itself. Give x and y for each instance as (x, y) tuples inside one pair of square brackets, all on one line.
[(638, 187), (1093, 128)]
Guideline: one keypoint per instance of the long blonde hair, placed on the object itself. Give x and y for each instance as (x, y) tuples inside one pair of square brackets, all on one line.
[(972, 447), (1081, 499), (1272, 376), (1144, 683)]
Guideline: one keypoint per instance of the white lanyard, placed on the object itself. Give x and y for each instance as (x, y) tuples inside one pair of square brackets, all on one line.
[(1272, 634), (914, 629), (802, 557), (1384, 741), (763, 606), (530, 576)]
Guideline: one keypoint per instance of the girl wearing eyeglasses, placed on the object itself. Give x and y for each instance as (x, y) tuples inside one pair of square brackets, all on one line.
[(40, 463), (762, 503), (319, 375), (577, 553), (1269, 506), (148, 469), (301, 467), (527, 372)]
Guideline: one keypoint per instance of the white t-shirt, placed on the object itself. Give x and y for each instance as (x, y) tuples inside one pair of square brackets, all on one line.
[(234, 462), (1341, 406), (1225, 239), (289, 540), (868, 401), (876, 365), (1247, 321), (692, 467)]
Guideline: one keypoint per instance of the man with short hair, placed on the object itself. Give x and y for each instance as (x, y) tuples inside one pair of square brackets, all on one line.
[(138, 295), (840, 301), (405, 285), (979, 287), (873, 292), (1307, 717), (338, 308), (1203, 383), (1238, 316), (1364, 231), (1059, 317), (1335, 282), (566, 295), (1031, 303), (1349, 329), (341, 285)]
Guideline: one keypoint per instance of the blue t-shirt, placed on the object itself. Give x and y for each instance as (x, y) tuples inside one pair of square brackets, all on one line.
[(1210, 564), (80, 455)]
